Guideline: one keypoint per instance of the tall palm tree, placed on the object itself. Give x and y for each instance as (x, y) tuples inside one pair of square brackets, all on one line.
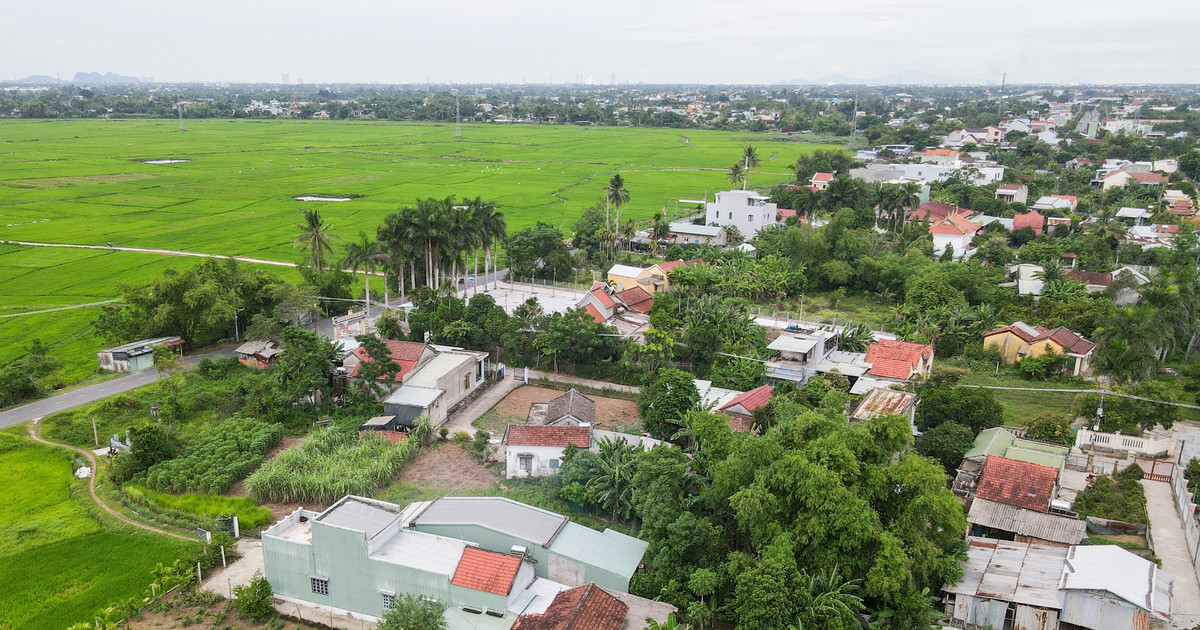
[(314, 238), (615, 194), (358, 257), (843, 192), (493, 229), (737, 174), (749, 160), (906, 199), (398, 237)]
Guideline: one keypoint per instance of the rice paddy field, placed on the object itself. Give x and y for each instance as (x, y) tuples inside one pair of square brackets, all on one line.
[(58, 559), (230, 187)]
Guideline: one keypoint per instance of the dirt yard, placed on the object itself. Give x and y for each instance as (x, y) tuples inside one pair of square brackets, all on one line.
[(447, 468), (610, 412)]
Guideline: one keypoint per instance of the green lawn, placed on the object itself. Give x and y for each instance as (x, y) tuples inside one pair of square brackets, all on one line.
[(1021, 408), (58, 561)]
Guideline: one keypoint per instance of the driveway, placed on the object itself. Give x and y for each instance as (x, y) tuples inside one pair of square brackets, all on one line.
[(1169, 545), (92, 393)]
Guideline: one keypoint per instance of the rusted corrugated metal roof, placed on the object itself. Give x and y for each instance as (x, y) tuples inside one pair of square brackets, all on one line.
[(1023, 573), (1017, 520), (882, 402)]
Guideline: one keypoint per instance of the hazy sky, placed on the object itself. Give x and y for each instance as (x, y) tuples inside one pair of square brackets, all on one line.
[(697, 41)]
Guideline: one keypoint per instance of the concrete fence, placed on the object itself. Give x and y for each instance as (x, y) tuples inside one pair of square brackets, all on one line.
[(1128, 444), (1185, 504)]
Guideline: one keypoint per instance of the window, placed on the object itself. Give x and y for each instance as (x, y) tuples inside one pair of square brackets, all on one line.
[(750, 218), (389, 601), (467, 382), (731, 214), (525, 462), (319, 586), (554, 464)]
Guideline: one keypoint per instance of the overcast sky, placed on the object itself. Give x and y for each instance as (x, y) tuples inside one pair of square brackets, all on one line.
[(664, 41)]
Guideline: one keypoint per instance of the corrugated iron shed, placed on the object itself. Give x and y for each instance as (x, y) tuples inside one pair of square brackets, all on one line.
[(1060, 529), (882, 402), (1023, 573)]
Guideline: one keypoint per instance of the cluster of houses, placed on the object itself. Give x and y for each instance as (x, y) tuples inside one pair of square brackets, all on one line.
[(494, 562), (1027, 565)]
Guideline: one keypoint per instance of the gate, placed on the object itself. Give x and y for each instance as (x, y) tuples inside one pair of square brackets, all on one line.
[(1156, 469)]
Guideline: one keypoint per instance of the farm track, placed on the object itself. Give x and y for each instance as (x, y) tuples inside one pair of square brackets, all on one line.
[(61, 308), (91, 457)]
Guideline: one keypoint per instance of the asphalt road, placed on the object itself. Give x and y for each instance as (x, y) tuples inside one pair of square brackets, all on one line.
[(92, 393)]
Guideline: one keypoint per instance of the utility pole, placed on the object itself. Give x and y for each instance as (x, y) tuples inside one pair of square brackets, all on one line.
[(854, 120), (1000, 105), (457, 119), (179, 106)]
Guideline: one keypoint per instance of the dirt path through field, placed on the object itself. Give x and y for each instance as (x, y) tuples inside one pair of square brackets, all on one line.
[(33, 434)]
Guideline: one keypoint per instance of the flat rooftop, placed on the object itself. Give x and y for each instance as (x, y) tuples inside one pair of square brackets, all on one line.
[(419, 550), (360, 515), (500, 514)]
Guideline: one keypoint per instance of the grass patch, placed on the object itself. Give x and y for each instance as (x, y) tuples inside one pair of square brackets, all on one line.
[(193, 509), (54, 586), (1020, 407), (495, 422), (57, 562)]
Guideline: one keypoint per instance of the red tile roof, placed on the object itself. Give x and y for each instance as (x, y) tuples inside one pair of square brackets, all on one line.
[(406, 353), (486, 571), (1020, 484), (671, 265), (599, 290), (1070, 341), (954, 224), (752, 400), (527, 435), (822, 177), (934, 211), (943, 152), (1149, 178), (892, 368), (636, 299), (1010, 187), (1089, 277), (783, 214), (582, 608), (923, 350), (1031, 219), (595, 314)]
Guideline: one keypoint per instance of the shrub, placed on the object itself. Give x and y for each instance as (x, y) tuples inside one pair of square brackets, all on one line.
[(1120, 497), (328, 465), (1053, 428), (214, 462), (973, 408), (946, 443), (253, 601), (1043, 366)]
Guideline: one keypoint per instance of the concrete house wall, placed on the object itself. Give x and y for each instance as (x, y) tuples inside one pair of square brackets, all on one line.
[(540, 465)]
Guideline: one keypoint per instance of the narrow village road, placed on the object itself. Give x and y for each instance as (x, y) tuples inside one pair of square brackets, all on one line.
[(1169, 545), (149, 250), (91, 458), (60, 308), (92, 393)]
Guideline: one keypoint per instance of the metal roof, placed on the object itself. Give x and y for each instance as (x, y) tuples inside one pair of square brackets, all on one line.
[(793, 343), (1060, 529), (419, 550), (625, 270), (1110, 568), (143, 346), (497, 513), (1024, 573), (411, 396), (699, 230), (378, 421), (865, 384), (360, 515), (998, 441), (442, 364), (609, 550), (883, 402)]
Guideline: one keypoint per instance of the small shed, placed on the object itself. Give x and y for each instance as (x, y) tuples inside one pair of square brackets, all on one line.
[(381, 423), (411, 402), (134, 356)]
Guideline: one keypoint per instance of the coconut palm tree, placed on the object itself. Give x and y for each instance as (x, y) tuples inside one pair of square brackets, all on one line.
[(737, 174), (616, 195), (843, 192), (358, 257), (749, 160), (398, 238), (314, 238), (492, 229)]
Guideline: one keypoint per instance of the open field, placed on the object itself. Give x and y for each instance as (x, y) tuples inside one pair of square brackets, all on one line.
[(40, 278), (86, 181), (611, 413), (59, 561)]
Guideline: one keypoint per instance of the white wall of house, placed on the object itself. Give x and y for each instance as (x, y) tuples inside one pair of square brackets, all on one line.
[(961, 243), (532, 461), (746, 210)]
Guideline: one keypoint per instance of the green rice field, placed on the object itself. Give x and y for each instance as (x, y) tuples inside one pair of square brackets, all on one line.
[(60, 562)]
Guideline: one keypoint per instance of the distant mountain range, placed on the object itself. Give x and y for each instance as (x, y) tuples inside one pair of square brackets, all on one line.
[(908, 77), (84, 78)]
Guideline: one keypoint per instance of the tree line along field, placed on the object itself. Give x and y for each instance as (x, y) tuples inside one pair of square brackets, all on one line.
[(84, 181), (41, 278), (59, 560)]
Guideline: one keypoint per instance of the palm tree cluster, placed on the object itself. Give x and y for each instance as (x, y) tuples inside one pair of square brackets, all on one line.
[(430, 244), (739, 173)]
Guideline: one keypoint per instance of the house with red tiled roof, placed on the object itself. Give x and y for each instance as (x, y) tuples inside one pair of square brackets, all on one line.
[(599, 302), (899, 360), (537, 450), (1020, 340), (820, 181), (741, 409), (1019, 484), (586, 607), (409, 355), (487, 571), (956, 232), (933, 212), (636, 300), (1012, 193), (1032, 220), (942, 157), (1120, 177)]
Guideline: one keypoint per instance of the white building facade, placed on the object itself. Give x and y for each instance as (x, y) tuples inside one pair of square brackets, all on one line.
[(745, 210)]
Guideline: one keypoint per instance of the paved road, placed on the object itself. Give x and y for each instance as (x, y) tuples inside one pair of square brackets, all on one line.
[(92, 393), (1171, 547)]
